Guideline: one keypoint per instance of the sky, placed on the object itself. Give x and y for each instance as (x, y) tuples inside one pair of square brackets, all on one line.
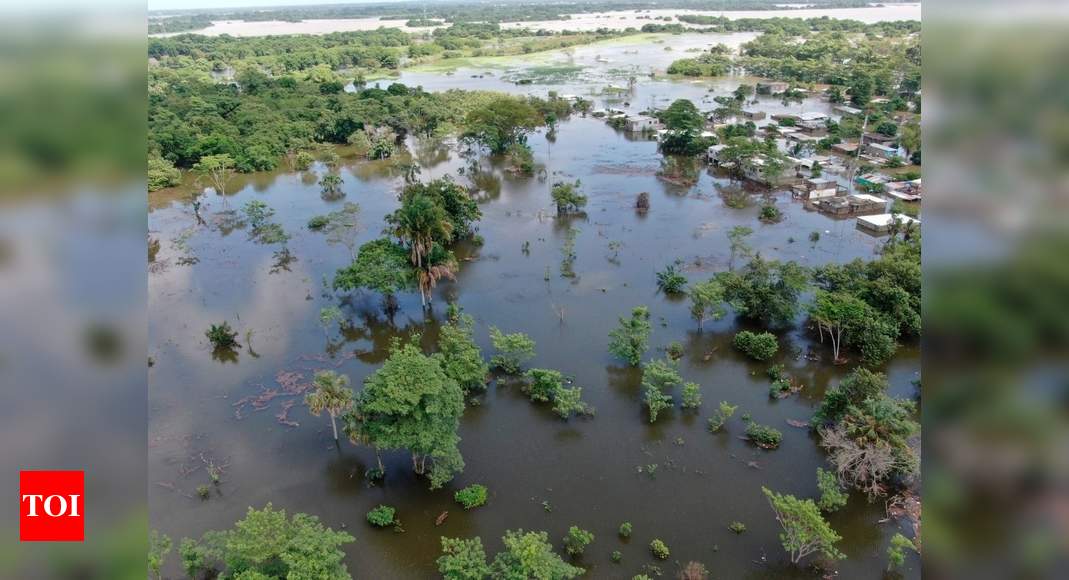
[(185, 4)]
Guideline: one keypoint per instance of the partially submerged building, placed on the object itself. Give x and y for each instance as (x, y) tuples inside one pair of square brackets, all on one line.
[(881, 223), (853, 204), (771, 87)]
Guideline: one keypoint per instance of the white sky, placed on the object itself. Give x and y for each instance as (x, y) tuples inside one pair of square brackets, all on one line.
[(185, 4)]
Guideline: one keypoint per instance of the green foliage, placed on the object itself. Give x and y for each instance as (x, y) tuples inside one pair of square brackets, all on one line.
[(257, 213), (765, 291), (706, 301), (616, 556), (804, 530), (658, 376), (381, 266), (318, 222), (757, 345), (770, 213), (692, 396), (737, 527), (461, 358), (724, 412), (381, 516), (659, 549), (530, 555), (267, 544), (737, 240), (463, 559), (159, 545), (512, 350), (330, 185), (630, 339), (684, 123), (763, 435), (162, 173), (222, 336), (674, 350), (461, 210), (625, 530), (545, 385), (472, 496), (410, 403), (501, 122), (576, 541), (832, 496), (332, 394), (567, 197), (670, 280), (569, 400), (857, 387), (303, 161), (896, 551)]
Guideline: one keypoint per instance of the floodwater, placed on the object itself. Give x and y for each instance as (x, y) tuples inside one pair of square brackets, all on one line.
[(590, 472), (577, 22)]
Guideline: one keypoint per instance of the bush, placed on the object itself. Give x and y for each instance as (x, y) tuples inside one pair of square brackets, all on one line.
[(512, 350), (659, 549), (629, 340), (737, 527), (222, 336), (318, 222), (670, 281), (770, 213), (567, 197), (763, 435), (831, 494), (381, 516), (625, 530), (616, 556), (692, 396), (642, 202), (203, 491), (675, 350), (576, 540), (472, 496), (757, 345), (303, 161), (716, 422), (162, 173)]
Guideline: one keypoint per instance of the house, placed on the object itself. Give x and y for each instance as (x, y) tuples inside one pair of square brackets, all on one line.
[(771, 88), (753, 115), (881, 223), (881, 151), (801, 138), (876, 138), (817, 188), (870, 179), (641, 124), (846, 111), (853, 204), (754, 171), (707, 135), (812, 120), (712, 154), (904, 190), (785, 117), (845, 148)]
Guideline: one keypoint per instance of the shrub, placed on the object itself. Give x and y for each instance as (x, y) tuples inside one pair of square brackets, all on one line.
[(472, 496), (616, 556), (543, 384), (737, 527), (831, 494), (642, 202), (770, 213), (659, 549), (576, 540), (203, 491), (757, 345), (567, 197), (512, 350), (670, 281), (629, 340), (763, 435), (381, 516), (221, 335), (896, 552), (625, 530), (303, 161), (318, 222), (723, 413), (675, 350), (694, 571), (692, 396), (814, 236)]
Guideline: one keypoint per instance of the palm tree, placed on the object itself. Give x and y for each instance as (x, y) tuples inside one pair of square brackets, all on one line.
[(332, 395), (419, 222), (429, 276)]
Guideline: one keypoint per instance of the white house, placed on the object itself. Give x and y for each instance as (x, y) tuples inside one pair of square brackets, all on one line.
[(881, 223)]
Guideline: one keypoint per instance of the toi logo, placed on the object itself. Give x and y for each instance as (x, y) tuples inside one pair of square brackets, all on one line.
[(51, 506)]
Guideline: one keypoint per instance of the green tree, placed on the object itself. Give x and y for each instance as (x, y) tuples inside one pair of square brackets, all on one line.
[(461, 210), (630, 339), (670, 280), (332, 394), (513, 350), (692, 395), (501, 122), (463, 559), (330, 185), (804, 530), (658, 376), (706, 301), (543, 384), (420, 223), (739, 247), (765, 291), (410, 403), (159, 545), (567, 197), (576, 541), (267, 544), (529, 555), (832, 496), (217, 169), (896, 551), (162, 173), (757, 345), (461, 358), (838, 313), (472, 496), (381, 266)]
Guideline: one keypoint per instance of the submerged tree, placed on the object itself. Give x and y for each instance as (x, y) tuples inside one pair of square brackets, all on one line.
[(217, 169), (330, 186), (567, 197), (461, 358), (381, 266), (629, 340), (332, 394), (501, 122), (411, 403), (765, 291), (657, 377), (804, 530), (512, 350), (706, 301)]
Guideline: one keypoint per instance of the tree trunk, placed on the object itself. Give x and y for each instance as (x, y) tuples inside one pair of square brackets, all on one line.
[(378, 458), (334, 425)]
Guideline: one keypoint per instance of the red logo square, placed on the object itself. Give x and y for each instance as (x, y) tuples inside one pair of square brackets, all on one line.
[(51, 506)]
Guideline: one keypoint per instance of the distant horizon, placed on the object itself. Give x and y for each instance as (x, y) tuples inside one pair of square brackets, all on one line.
[(164, 5)]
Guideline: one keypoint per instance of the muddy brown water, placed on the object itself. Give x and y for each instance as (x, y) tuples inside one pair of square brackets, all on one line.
[(587, 470)]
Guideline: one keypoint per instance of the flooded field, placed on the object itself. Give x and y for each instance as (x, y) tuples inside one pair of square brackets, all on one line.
[(542, 473), (578, 22)]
